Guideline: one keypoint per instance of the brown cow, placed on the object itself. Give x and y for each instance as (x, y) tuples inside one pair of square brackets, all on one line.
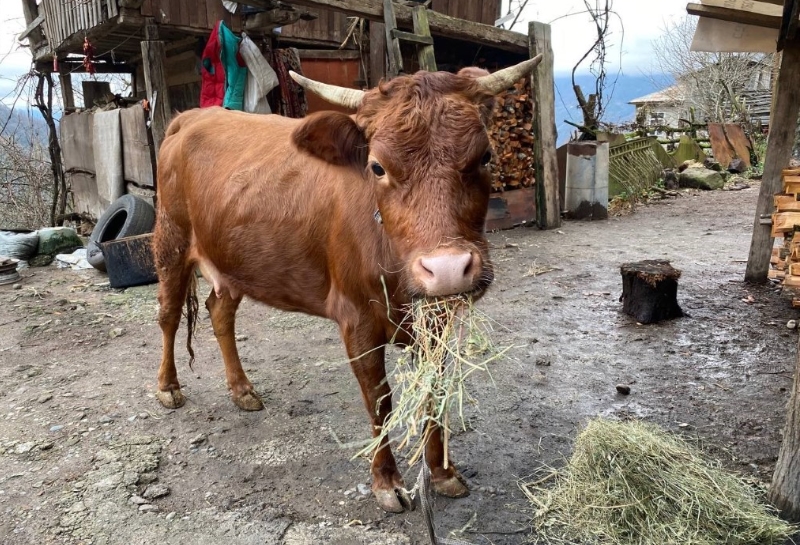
[(331, 215)]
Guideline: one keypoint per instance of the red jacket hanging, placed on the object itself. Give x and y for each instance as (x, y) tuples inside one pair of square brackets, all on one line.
[(212, 73)]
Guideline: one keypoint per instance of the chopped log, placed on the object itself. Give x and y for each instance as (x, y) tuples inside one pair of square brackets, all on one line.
[(650, 291)]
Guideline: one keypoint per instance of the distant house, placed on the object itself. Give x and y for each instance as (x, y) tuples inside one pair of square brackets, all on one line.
[(707, 87), (662, 108)]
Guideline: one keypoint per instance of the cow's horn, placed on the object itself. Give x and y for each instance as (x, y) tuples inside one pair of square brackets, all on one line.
[(505, 78), (342, 96)]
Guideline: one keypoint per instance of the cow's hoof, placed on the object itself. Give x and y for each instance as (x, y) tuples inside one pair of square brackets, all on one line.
[(171, 399), (394, 500), (452, 487), (249, 401)]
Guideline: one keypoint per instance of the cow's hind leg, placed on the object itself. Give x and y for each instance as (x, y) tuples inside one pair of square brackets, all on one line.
[(223, 318), (175, 281), (366, 354), (446, 481)]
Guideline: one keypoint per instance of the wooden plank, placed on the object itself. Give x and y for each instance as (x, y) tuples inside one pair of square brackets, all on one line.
[(719, 145), (739, 141), (137, 154), (31, 13), (783, 123), (791, 185), (774, 273), (197, 15), (148, 8), (427, 59), (441, 25), (784, 222), (330, 54), (114, 8), (411, 37), (377, 53), (548, 212), (33, 25), (395, 65), (153, 57), (787, 203), (734, 15), (511, 208)]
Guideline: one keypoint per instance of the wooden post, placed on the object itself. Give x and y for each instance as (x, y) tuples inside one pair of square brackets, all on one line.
[(377, 52), (392, 43), (548, 212), (783, 123), (784, 493), (155, 79), (67, 96), (31, 11), (427, 59)]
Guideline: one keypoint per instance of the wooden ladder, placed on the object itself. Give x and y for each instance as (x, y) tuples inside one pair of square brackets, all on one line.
[(421, 37)]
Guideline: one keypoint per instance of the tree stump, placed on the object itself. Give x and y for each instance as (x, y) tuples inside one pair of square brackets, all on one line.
[(650, 291), (784, 493)]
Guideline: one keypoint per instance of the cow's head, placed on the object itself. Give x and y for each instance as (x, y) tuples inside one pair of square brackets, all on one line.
[(421, 141)]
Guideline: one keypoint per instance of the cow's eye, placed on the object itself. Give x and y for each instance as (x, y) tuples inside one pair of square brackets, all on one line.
[(486, 159), (377, 170)]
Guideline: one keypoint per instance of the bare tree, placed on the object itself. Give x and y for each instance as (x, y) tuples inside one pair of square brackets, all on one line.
[(710, 84)]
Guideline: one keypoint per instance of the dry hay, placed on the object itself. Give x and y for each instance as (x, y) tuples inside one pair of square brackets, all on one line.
[(633, 483), (451, 342)]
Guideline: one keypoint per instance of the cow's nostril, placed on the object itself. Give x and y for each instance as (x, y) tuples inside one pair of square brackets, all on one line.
[(446, 273)]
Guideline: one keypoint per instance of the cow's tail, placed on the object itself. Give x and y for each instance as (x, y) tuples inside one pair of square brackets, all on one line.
[(191, 315)]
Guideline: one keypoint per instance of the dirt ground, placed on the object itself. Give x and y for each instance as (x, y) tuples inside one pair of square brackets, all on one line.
[(87, 455)]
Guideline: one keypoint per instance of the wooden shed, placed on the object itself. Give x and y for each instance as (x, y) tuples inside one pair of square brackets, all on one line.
[(343, 42)]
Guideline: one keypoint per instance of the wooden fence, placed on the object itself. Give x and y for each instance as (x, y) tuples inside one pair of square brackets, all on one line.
[(633, 166)]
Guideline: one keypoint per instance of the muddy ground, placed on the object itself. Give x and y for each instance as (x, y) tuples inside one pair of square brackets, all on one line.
[(87, 455)]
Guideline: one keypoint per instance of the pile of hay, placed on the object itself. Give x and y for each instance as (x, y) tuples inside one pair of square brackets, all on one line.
[(633, 483), (451, 342)]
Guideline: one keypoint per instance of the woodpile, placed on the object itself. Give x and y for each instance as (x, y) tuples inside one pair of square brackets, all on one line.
[(785, 261), (512, 138)]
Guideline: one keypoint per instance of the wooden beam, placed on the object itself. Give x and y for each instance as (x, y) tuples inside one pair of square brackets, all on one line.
[(734, 15), (394, 55), (440, 24), (788, 30), (548, 209), (411, 37), (783, 123), (73, 67), (377, 53), (422, 29), (31, 12), (332, 54), (31, 27), (155, 79), (67, 96)]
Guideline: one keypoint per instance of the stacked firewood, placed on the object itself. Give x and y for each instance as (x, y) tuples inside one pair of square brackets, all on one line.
[(785, 262), (512, 139)]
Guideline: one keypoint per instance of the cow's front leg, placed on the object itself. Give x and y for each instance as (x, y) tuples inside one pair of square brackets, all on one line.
[(366, 352), (223, 318), (446, 481)]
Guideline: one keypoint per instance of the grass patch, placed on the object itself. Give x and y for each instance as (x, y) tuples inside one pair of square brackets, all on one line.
[(632, 483)]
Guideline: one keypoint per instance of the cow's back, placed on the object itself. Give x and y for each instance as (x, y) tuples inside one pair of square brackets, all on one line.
[(259, 216)]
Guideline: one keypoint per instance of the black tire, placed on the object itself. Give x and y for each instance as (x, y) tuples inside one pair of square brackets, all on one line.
[(126, 217)]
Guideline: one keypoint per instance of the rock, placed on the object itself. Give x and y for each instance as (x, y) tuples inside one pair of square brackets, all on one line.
[(44, 398), (670, 179), (170, 516), (198, 439), (137, 500), (711, 164), (116, 332), (363, 489), (701, 178), (241, 337), (16, 287), (144, 416), (147, 477), (106, 419), (737, 165), (148, 508), (791, 324), (24, 448), (46, 446), (57, 427), (155, 491), (623, 389)]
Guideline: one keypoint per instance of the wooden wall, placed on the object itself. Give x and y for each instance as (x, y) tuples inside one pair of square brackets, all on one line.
[(478, 11), (200, 14), (320, 66), (329, 28)]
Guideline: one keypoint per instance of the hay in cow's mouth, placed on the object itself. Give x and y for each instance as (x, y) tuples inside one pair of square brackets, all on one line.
[(451, 342), (632, 483)]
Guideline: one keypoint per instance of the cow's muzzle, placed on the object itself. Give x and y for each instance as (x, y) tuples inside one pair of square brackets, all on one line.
[(450, 271)]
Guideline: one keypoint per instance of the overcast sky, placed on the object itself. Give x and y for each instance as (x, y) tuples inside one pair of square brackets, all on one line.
[(642, 20)]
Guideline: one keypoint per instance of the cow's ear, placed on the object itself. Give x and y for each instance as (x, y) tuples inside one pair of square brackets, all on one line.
[(333, 137)]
